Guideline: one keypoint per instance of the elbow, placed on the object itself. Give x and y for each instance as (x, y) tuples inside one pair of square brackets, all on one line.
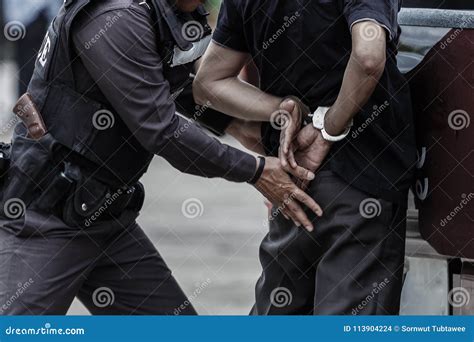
[(371, 64), (202, 90), (374, 67)]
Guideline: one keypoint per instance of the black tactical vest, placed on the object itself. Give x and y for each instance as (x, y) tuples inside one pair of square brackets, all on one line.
[(92, 130)]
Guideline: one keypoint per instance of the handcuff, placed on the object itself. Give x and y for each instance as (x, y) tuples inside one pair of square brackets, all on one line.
[(318, 118)]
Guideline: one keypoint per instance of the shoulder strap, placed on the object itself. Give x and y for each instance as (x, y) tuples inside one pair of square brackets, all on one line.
[(61, 27), (164, 10)]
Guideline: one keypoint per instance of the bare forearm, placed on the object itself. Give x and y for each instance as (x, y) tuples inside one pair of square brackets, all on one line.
[(219, 84), (238, 99), (362, 75), (357, 88)]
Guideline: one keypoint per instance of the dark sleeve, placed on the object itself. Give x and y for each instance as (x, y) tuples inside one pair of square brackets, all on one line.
[(214, 121), (125, 64), (229, 31), (384, 12)]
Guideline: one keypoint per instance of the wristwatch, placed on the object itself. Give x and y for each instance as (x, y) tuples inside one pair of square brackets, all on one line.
[(318, 122)]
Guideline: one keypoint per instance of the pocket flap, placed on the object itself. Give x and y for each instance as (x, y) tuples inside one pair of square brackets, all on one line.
[(89, 196)]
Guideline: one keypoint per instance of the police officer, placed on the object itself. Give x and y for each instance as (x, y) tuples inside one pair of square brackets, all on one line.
[(339, 58), (105, 82)]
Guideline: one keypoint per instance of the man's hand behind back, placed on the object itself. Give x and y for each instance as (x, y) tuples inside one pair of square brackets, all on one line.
[(311, 151), (300, 148)]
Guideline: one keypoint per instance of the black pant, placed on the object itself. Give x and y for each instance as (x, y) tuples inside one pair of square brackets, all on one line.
[(351, 264), (113, 268)]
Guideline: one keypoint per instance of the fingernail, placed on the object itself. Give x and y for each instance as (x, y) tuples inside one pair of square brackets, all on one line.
[(309, 228), (311, 176), (297, 223)]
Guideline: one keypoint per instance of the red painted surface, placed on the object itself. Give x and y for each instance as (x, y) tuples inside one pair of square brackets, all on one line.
[(443, 96)]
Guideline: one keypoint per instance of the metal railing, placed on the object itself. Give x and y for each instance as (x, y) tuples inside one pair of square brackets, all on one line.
[(463, 19)]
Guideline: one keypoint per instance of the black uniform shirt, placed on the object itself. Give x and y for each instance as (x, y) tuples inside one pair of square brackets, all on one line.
[(118, 64), (302, 48)]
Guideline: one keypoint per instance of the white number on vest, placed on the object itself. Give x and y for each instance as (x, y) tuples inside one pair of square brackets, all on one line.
[(43, 55)]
